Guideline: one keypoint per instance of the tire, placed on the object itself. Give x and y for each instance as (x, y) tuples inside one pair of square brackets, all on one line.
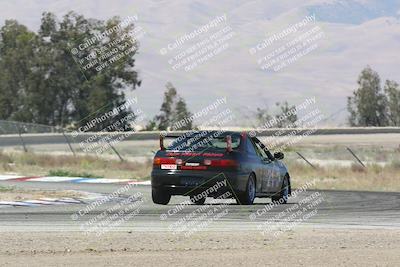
[(282, 196), (159, 196), (198, 201), (247, 198)]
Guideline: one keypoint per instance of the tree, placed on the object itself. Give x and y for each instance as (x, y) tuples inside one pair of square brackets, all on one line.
[(165, 118), (174, 114), (262, 115), (367, 106), (42, 81), (182, 116), (287, 115), (392, 91), (16, 61), (285, 118)]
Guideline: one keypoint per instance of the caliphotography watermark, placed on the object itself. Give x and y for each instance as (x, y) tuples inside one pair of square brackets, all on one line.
[(307, 115), (112, 46), (110, 211), (216, 114), (275, 222), (109, 128), (194, 48), (200, 114), (189, 221), (197, 140), (284, 48)]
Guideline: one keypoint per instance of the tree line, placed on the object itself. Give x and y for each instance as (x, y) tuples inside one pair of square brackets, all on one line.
[(370, 105), (42, 82)]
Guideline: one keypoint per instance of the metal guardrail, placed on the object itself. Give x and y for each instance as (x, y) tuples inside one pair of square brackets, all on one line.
[(24, 140), (60, 138), (15, 127)]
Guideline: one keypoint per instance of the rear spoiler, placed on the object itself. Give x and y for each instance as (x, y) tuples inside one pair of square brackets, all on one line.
[(162, 147), (229, 143)]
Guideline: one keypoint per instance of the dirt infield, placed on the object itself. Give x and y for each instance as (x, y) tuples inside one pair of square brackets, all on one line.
[(302, 247)]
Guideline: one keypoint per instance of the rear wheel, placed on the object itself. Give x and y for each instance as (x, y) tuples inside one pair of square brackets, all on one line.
[(282, 196), (247, 198), (160, 196)]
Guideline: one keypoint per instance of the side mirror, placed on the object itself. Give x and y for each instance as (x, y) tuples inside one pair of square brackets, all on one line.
[(279, 155)]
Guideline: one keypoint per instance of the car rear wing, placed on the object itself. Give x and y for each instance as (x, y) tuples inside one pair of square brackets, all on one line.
[(162, 136), (229, 143)]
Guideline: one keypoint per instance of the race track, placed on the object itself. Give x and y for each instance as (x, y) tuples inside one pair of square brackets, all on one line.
[(336, 209)]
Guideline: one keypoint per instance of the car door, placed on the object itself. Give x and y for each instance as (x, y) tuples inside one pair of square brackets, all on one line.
[(268, 177), (276, 176), (254, 163)]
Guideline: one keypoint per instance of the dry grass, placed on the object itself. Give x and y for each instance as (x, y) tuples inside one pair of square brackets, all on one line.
[(372, 178), (41, 164)]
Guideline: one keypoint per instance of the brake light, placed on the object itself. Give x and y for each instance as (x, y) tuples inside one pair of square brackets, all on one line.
[(159, 161), (225, 163)]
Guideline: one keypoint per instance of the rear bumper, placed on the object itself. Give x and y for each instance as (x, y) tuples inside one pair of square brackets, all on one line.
[(183, 182)]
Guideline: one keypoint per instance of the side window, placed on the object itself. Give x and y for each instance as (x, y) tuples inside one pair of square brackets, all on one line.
[(251, 150), (269, 154), (261, 151), (258, 151), (264, 149)]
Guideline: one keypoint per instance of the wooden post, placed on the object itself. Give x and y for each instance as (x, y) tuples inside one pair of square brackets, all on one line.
[(68, 142), (22, 139), (355, 156), (309, 163)]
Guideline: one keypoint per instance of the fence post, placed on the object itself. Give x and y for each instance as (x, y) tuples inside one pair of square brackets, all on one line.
[(22, 139), (355, 156), (116, 152), (68, 142), (309, 163)]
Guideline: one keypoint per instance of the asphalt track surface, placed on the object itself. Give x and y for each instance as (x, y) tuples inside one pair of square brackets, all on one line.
[(337, 209)]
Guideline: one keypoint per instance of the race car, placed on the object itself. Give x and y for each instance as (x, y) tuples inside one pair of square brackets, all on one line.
[(201, 164)]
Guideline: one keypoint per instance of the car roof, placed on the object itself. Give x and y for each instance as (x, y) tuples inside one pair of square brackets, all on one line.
[(177, 134)]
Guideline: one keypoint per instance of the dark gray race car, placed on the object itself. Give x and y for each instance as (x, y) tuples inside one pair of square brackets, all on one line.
[(211, 163)]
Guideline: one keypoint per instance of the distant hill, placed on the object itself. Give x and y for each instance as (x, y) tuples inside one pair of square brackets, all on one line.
[(356, 34)]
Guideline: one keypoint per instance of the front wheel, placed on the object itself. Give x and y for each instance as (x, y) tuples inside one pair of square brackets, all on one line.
[(282, 196), (247, 198), (159, 196)]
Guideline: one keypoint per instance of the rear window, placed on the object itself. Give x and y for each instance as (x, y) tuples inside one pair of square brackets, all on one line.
[(204, 140)]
